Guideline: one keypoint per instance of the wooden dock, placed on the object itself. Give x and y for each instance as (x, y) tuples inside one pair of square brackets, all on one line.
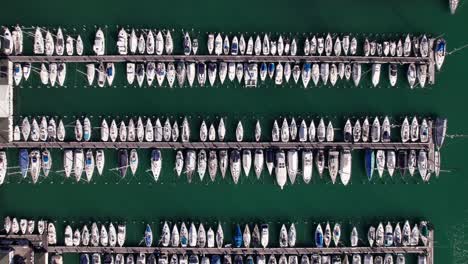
[(222, 145)]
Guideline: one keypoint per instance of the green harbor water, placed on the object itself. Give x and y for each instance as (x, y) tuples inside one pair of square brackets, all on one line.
[(138, 199)]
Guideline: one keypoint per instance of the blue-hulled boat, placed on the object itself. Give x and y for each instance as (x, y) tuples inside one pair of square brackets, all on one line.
[(370, 163), (271, 69), (215, 259), (250, 260), (24, 162), (238, 237), (84, 259), (319, 236), (148, 236)]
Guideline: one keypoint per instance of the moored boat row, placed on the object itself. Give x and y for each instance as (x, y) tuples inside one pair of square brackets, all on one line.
[(147, 129)]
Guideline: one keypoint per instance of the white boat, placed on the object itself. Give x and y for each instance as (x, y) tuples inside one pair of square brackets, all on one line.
[(100, 161), (280, 169), (179, 163), (333, 74), (235, 165), (79, 46), (78, 162), (38, 42), (150, 42), (306, 47), (133, 160), (239, 72), (113, 131), (407, 46), (168, 43), (149, 132), (313, 46), (320, 46), (246, 236), (61, 73), (133, 42), (159, 43), (330, 132), (357, 131), (16, 133), (345, 166), (356, 73), (52, 73), (175, 131), (192, 236), (422, 74), (3, 172), (43, 134), (99, 43), (104, 236), (150, 73), (333, 164), (375, 130), (130, 72), (212, 165), (380, 160), (283, 236), (266, 45), (202, 164), (104, 131), (292, 165), (423, 166), (376, 68), (411, 75), (405, 130), (141, 44), (26, 71), (440, 52), (87, 129), (246, 161), (239, 132), (49, 44), (284, 130), (412, 162), (59, 42), (279, 74), (162, 133), (337, 47), (391, 162), (328, 45), (68, 162), (223, 162), (89, 165), (90, 72), (258, 162), (386, 130), (68, 236)]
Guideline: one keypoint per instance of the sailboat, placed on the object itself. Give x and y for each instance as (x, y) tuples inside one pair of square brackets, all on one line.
[(99, 43)]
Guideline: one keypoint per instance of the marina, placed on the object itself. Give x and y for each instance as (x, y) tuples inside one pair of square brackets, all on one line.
[(293, 153)]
